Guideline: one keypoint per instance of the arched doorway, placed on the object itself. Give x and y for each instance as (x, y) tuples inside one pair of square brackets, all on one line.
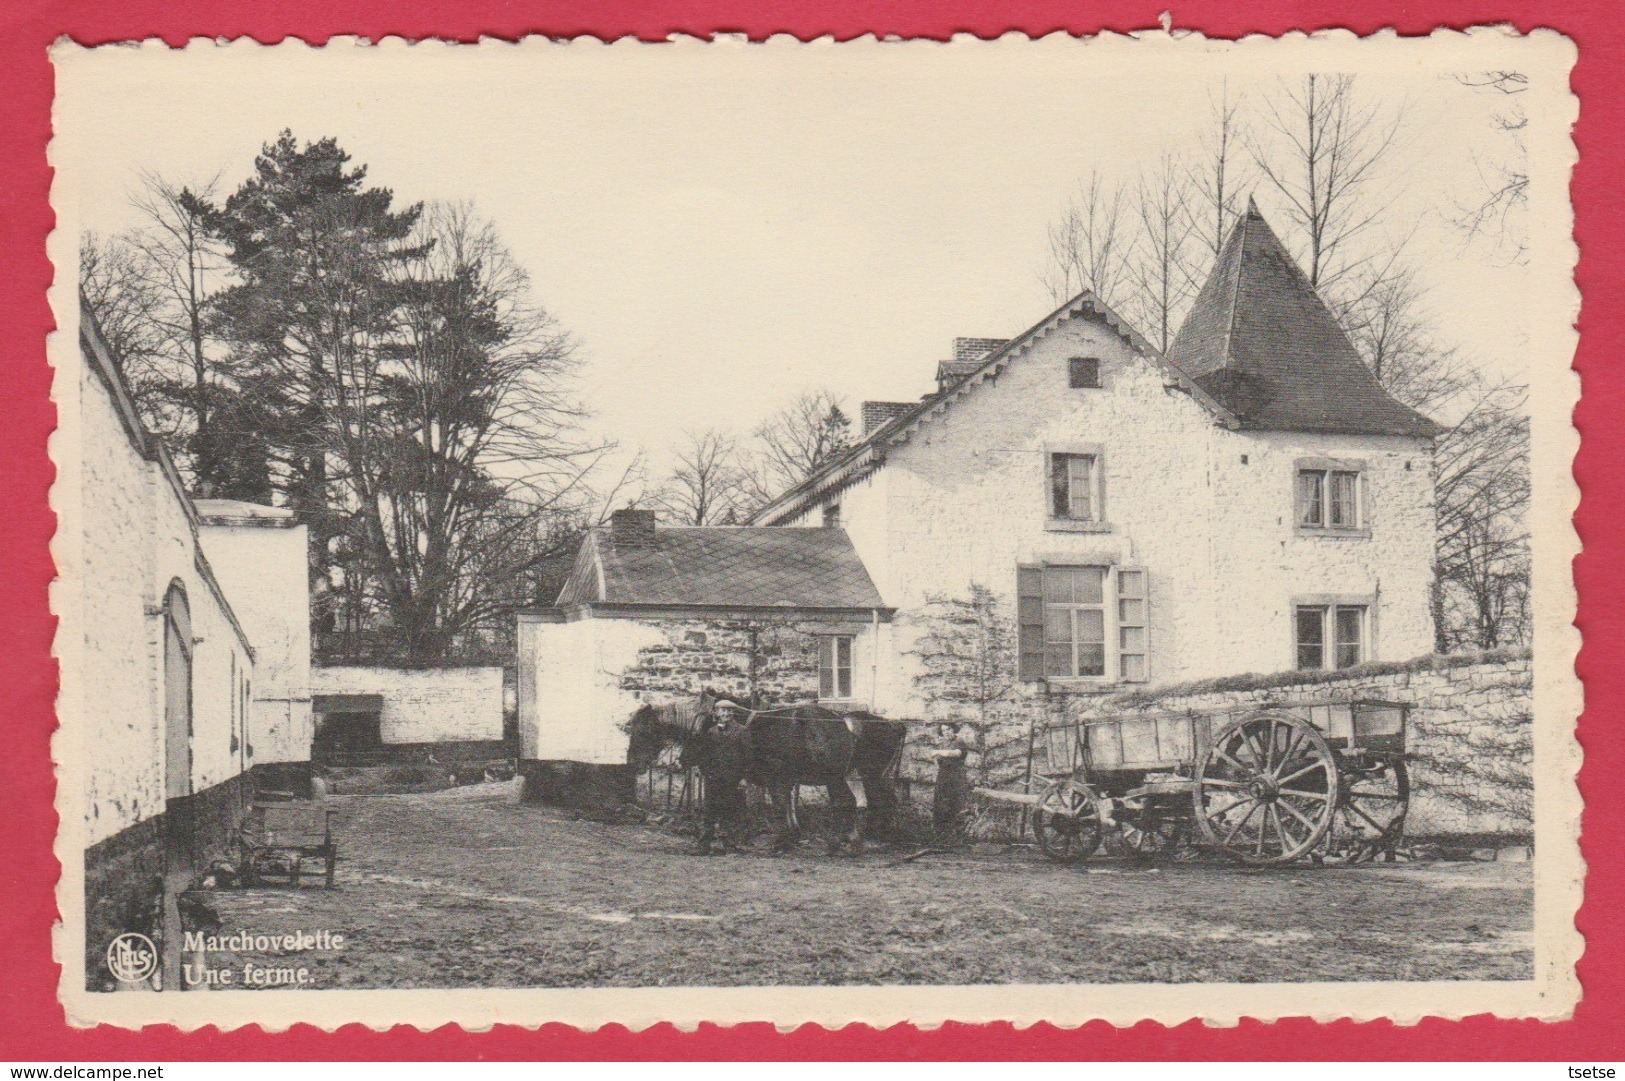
[(177, 729)]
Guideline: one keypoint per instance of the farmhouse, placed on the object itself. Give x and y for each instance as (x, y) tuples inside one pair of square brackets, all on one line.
[(1254, 501)]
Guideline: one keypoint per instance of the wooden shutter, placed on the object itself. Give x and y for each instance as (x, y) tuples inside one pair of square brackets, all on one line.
[(1133, 624), (1030, 623)]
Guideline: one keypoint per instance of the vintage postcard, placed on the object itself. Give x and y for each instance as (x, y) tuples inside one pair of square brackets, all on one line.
[(871, 531)]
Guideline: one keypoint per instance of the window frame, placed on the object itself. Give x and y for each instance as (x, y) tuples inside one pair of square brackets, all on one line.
[(830, 648), (1033, 656), (1328, 608), (1077, 365), (1326, 471), (1097, 522)]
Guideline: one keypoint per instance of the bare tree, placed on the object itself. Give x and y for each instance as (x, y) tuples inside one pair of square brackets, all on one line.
[(705, 485), (460, 444), (1090, 245), (1495, 214), (1482, 486), (186, 263), (792, 444), (1218, 178), (1326, 167), (116, 284), (1164, 271), (967, 654)]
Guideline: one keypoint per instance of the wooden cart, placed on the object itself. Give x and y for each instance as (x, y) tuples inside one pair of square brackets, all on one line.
[(1322, 780), (287, 841)]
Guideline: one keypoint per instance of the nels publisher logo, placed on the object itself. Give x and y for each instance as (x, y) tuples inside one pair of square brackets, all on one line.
[(131, 958)]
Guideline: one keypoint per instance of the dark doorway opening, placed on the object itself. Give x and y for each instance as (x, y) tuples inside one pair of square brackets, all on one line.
[(349, 728)]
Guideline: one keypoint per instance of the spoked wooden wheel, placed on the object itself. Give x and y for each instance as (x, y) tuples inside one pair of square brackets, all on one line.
[(1267, 790), (1371, 805), (1067, 821), (1151, 830)]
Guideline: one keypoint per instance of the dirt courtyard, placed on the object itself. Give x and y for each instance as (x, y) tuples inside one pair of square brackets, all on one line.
[(469, 888)]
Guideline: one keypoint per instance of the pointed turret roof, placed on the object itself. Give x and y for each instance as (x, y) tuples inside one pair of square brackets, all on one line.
[(1261, 341)]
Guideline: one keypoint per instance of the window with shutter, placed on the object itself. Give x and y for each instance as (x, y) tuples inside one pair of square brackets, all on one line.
[(1133, 630), (1030, 623)]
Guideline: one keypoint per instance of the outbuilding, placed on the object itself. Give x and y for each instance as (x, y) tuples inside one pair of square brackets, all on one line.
[(654, 613)]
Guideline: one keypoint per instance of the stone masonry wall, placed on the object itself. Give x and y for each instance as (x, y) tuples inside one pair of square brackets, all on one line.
[(778, 661), (1470, 736)]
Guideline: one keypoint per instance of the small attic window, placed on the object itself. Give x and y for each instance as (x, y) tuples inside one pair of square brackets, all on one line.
[(832, 514), (1083, 372)]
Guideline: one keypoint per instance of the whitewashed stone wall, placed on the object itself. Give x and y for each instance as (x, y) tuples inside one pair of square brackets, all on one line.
[(136, 536), (580, 681), (263, 565), (571, 702), (966, 500), (424, 705)]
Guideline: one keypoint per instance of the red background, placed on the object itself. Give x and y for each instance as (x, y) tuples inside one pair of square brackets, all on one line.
[(33, 1027)]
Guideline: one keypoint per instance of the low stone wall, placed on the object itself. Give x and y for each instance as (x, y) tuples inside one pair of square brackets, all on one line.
[(1470, 736), (424, 705)]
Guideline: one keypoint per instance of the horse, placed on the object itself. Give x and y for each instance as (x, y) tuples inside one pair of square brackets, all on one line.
[(778, 749)]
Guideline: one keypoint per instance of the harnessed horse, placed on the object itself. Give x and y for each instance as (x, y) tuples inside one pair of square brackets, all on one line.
[(777, 749)]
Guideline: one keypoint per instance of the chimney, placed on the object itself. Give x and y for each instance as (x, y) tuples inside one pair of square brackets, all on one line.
[(876, 414), (632, 528), (976, 348)]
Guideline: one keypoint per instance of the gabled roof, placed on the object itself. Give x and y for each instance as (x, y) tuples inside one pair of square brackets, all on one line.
[(723, 567), (869, 453), (1261, 341)]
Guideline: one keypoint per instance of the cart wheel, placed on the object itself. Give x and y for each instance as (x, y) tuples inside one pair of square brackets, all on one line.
[(1067, 821), (1371, 805), (1151, 833), (1267, 790)]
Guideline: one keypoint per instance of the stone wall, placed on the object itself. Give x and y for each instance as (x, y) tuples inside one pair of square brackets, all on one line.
[(776, 662), (424, 705), (1470, 734)]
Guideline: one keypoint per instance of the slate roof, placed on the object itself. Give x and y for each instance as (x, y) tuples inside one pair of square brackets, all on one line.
[(723, 566), (1260, 340)]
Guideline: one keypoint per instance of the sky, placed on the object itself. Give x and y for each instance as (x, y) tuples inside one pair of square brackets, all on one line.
[(723, 226)]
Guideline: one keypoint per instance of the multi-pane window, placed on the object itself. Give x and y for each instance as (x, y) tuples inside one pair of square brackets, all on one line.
[(1073, 487), (1329, 498), (1330, 635), (1074, 622), (1083, 622), (835, 666)]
